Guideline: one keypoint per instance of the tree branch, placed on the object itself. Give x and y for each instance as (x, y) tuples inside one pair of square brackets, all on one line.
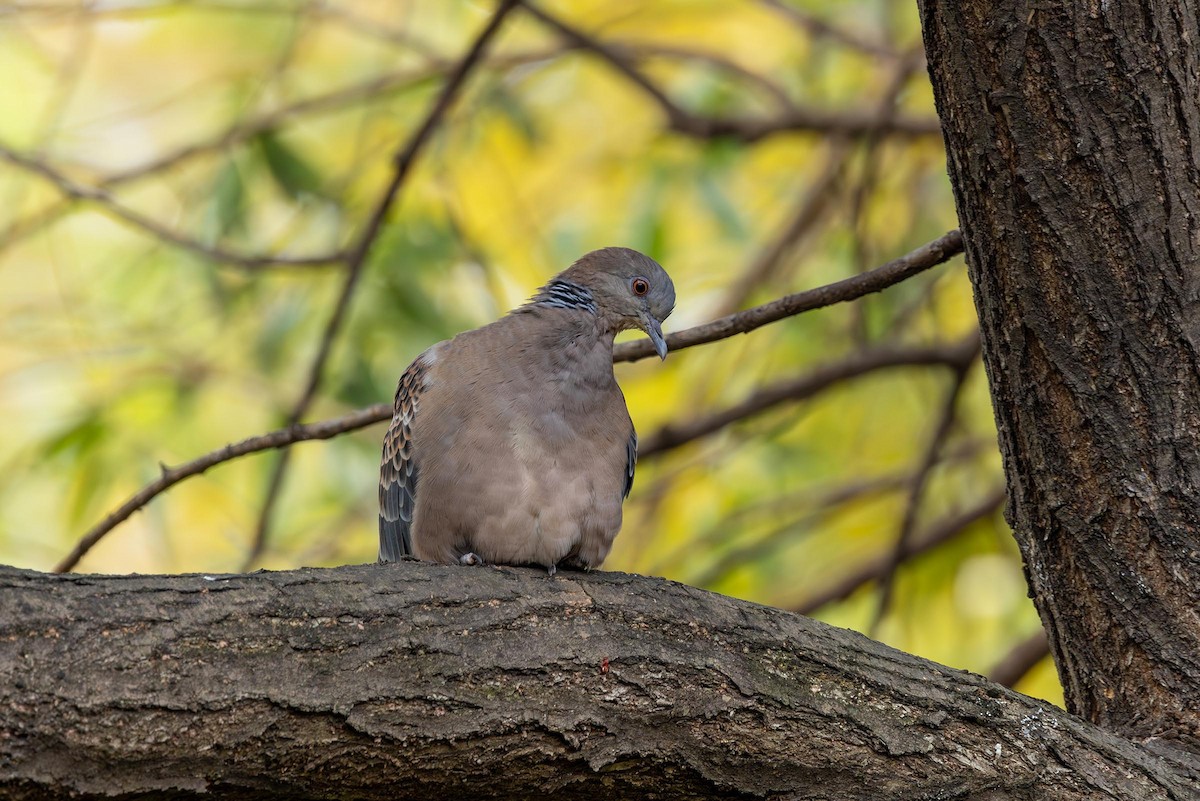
[(109, 205), (171, 476), (940, 532), (1023, 658), (846, 123), (402, 164), (928, 255), (418, 681), (929, 459), (816, 26), (806, 386)]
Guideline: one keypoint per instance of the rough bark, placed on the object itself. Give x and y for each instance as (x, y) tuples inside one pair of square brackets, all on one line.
[(432, 682), (1073, 136)]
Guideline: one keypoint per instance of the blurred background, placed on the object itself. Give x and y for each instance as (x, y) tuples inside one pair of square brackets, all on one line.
[(182, 185)]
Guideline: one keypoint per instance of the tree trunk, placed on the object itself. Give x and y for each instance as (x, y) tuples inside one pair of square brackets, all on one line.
[(1073, 135), (429, 682)]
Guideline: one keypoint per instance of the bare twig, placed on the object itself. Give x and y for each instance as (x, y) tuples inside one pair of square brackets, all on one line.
[(402, 164), (848, 123), (923, 258), (870, 175), (891, 273), (809, 211), (806, 386), (819, 27), (1023, 658), (940, 532), (929, 460), (716, 536), (173, 475), (105, 202)]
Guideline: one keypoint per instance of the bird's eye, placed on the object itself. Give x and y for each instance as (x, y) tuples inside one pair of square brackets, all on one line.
[(640, 286)]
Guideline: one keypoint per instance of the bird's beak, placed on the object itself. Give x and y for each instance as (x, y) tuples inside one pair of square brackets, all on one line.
[(654, 330)]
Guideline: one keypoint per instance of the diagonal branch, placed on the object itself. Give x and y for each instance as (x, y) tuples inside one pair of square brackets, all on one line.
[(109, 205), (402, 164), (846, 123), (1023, 658), (806, 386), (171, 476), (928, 255), (938, 533), (916, 491)]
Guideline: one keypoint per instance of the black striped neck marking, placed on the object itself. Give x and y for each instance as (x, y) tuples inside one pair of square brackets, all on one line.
[(560, 294)]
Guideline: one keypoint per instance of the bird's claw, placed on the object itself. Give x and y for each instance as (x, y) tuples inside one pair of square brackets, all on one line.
[(470, 559)]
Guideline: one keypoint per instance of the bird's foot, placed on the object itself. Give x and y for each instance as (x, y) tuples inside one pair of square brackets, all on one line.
[(470, 559), (551, 570)]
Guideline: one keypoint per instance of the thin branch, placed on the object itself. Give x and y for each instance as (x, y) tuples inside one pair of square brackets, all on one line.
[(848, 123), (809, 211), (716, 536), (402, 164), (173, 475), (105, 202), (937, 534), (929, 460), (923, 258), (806, 386), (1023, 658), (816, 26), (891, 273), (872, 156)]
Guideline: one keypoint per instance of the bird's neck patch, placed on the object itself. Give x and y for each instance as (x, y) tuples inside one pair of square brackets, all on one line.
[(560, 294)]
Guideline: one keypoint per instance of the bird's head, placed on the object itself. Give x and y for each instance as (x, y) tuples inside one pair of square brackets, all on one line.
[(631, 290)]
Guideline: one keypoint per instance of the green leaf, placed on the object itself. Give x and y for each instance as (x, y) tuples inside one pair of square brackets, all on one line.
[(78, 438), (229, 200), (296, 177)]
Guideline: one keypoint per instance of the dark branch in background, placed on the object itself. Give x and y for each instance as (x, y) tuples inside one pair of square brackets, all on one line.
[(1021, 659), (928, 255), (850, 122), (370, 89), (806, 386), (402, 164), (813, 501), (929, 460), (893, 272), (869, 178), (818, 27), (173, 475), (937, 534), (818, 197), (106, 203)]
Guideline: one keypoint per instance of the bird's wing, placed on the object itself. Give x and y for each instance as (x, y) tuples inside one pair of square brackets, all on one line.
[(398, 471), (630, 460)]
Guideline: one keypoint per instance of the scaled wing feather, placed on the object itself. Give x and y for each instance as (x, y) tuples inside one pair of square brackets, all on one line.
[(398, 471)]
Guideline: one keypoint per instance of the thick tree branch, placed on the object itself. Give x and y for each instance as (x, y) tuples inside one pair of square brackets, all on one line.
[(416, 681)]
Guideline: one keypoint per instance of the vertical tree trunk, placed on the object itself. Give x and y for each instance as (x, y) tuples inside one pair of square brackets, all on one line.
[(1073, 136)]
